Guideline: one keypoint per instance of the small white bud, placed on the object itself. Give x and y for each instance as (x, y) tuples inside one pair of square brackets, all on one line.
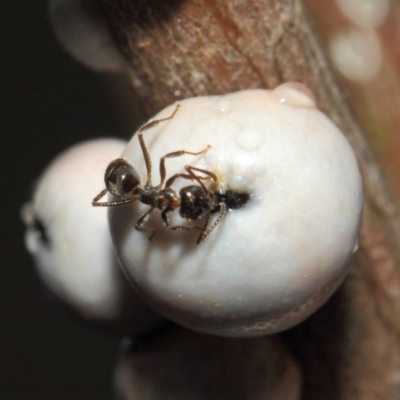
[(356, 54), (81, 29), (365, 13)]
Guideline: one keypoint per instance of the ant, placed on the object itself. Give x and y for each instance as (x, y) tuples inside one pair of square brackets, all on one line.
[(194, 201)]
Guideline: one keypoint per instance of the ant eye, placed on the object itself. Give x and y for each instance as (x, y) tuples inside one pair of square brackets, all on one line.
[(121, 179)]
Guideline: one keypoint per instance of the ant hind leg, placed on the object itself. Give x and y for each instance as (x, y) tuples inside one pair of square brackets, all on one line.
[(207, 230), (143, 146)]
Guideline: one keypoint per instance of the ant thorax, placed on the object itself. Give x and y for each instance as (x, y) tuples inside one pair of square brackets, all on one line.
[(162, 199)]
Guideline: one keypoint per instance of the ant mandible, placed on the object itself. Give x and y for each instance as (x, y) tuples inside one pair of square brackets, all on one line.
[(194, 202)]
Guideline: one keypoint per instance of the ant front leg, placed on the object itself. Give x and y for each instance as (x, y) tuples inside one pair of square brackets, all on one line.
[(207, 230), (177, 153), (143, 146), (155, 122), (139, 226), (193, 177), (97, 203), (208, 175)]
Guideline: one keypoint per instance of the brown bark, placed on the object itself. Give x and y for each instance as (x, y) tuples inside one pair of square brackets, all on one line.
[(181, 48)]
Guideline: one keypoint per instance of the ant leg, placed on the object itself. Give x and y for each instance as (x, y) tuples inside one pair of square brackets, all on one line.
[(171, 180), (206, 231), (167, 224), (209, 175), (139, 226), (155, 122), (193, 177), (176, 154), (96, 203), (147, 158), (143, 146)]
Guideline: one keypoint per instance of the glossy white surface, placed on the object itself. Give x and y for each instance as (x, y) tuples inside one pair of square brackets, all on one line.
[(270, 264)]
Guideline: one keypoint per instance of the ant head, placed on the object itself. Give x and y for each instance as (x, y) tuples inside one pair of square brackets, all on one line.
[(121, 179), (194, 202)]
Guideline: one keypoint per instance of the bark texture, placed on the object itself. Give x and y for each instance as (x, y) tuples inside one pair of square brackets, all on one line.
[(350, 349)]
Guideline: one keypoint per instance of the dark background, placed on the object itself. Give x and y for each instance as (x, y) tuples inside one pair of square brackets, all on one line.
[(48, 102)]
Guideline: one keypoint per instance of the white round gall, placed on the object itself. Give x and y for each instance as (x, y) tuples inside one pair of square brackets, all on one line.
[(71, 243), (365, 13), (356, 54), (273, 259)]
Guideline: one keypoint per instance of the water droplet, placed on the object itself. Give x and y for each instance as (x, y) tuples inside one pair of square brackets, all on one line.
[(249, 139), (223, 105), (294, 94)]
